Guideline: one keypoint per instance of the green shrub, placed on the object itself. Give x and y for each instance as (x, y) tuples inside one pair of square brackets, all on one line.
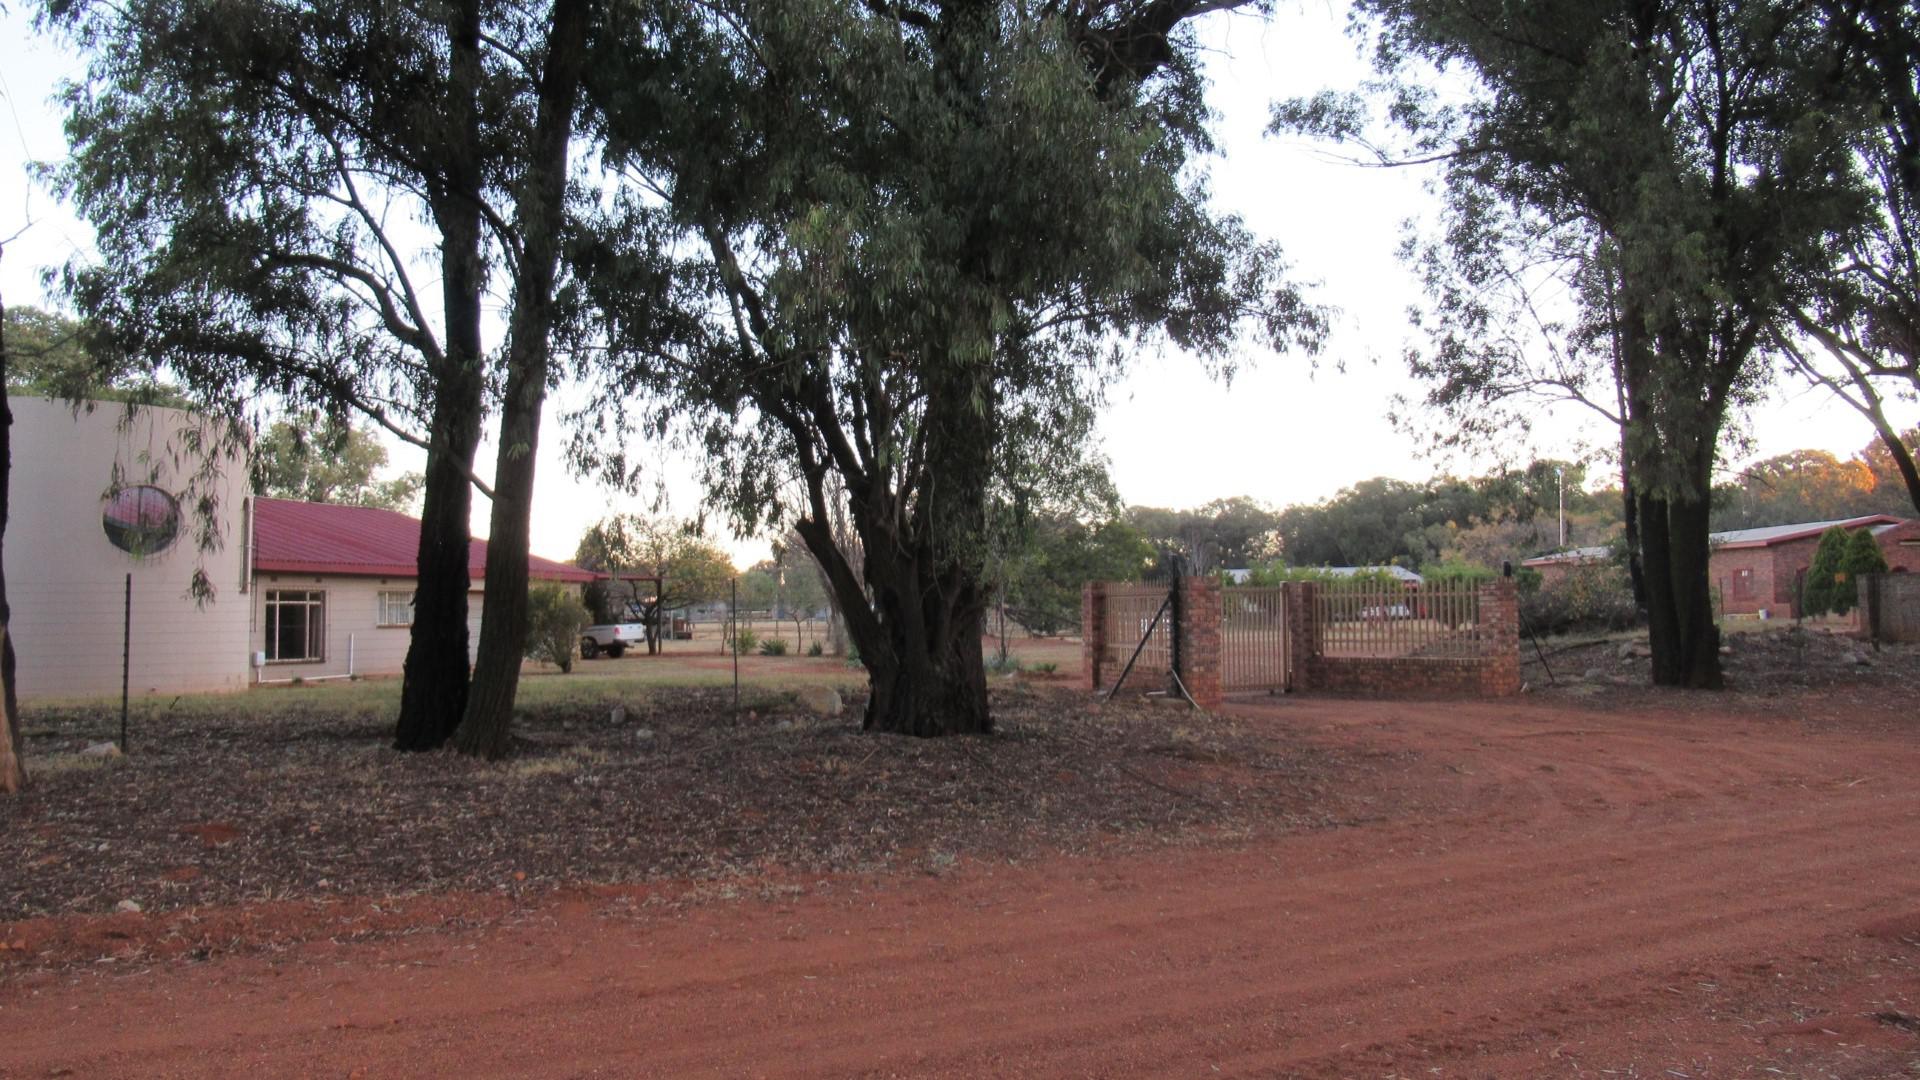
[(1003, 665), (816, 649), (744, 642), (773, 646), (1588, 599), (555, 617), (1453, 572), (1826, 588), (1046, 668), (1863, 557)]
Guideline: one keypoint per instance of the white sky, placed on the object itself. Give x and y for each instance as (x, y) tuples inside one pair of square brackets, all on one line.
[(1283, 432)]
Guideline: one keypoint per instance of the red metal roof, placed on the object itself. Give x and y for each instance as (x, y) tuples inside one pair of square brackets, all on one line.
[(291, 537)]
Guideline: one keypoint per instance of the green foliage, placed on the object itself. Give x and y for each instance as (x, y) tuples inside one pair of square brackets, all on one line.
[(915, 240), (1061, 553), (1827, 589), (1588, 599), (325, 459), (816, 649), (1454, 573), (1232, 533), (694, 569), (744, 641), (1046, 668), (49, 355), (774, 646), (555, 618), (1864, 555)]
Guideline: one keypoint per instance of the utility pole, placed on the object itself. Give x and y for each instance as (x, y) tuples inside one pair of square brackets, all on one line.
[(1561, 472)]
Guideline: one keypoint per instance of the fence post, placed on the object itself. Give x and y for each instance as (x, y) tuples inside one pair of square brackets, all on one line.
[(1499, 620), (1303, 643), (1198, 634), (1093, 632)]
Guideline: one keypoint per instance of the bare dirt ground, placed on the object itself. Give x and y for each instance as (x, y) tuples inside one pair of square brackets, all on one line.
[(1605, 883)]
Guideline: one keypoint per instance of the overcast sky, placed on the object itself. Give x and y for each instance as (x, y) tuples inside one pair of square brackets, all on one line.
[(1286, 430)]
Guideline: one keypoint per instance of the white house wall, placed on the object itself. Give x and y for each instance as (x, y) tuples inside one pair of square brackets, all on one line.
[(66, 581), (356, 643)]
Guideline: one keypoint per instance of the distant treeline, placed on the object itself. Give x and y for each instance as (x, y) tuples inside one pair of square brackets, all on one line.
[(1510, 515)]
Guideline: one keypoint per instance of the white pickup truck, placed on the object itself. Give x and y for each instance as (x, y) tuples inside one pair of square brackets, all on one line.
[(611, 638)]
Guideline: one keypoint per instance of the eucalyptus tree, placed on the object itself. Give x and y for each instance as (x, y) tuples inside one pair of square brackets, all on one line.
[(922, 234), (1705, 144), (1859, 337), (276, 192), (315, 202)]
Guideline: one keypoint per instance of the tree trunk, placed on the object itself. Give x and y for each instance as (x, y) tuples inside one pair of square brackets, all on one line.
[(1684, 639), (920, 635), (1630, 512), (488, 728), (13, 772), (433, 691), (927, 671)]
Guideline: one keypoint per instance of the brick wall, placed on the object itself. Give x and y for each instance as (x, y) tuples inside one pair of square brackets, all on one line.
[(1901, 546), (1493, 673)]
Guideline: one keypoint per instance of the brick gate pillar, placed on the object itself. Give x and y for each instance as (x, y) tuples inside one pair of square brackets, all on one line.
[(1303, 644), (1500, 621), (1200, 640), (1093, 632)]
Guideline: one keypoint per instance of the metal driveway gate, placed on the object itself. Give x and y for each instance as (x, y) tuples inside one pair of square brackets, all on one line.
[(1253, 640)]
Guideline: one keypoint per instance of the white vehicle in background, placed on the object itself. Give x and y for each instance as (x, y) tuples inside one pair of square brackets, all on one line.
[(611, 639)]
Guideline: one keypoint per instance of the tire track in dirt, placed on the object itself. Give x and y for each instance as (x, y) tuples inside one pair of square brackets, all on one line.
[(1302, 955)]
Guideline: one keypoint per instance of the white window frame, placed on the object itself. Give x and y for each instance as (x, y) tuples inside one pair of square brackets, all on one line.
[(387, 602), (315, 603)]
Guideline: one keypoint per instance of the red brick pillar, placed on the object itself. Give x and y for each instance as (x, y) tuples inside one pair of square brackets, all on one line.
[(1093, 632), (1200, 640), (1500, 627), (1303, 645)]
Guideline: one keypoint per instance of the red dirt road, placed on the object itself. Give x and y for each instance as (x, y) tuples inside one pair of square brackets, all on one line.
[(1549, 891)]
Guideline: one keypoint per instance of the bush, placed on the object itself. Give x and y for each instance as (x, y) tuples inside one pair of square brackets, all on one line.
[(999, 665), (1588, 599), (1863, 557), (554, 620), (773, 646), (744, 641), (1820, 594), (1453, 572), (816, 649)]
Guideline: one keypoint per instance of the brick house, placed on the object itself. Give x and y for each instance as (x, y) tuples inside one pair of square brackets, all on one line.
[(1758, 570)]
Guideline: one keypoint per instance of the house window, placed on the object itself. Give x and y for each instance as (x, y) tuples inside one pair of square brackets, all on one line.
[(396, 608), (296, 625), (1743, 584)]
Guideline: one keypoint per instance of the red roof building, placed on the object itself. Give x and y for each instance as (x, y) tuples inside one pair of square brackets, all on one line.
[(291, 537)]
